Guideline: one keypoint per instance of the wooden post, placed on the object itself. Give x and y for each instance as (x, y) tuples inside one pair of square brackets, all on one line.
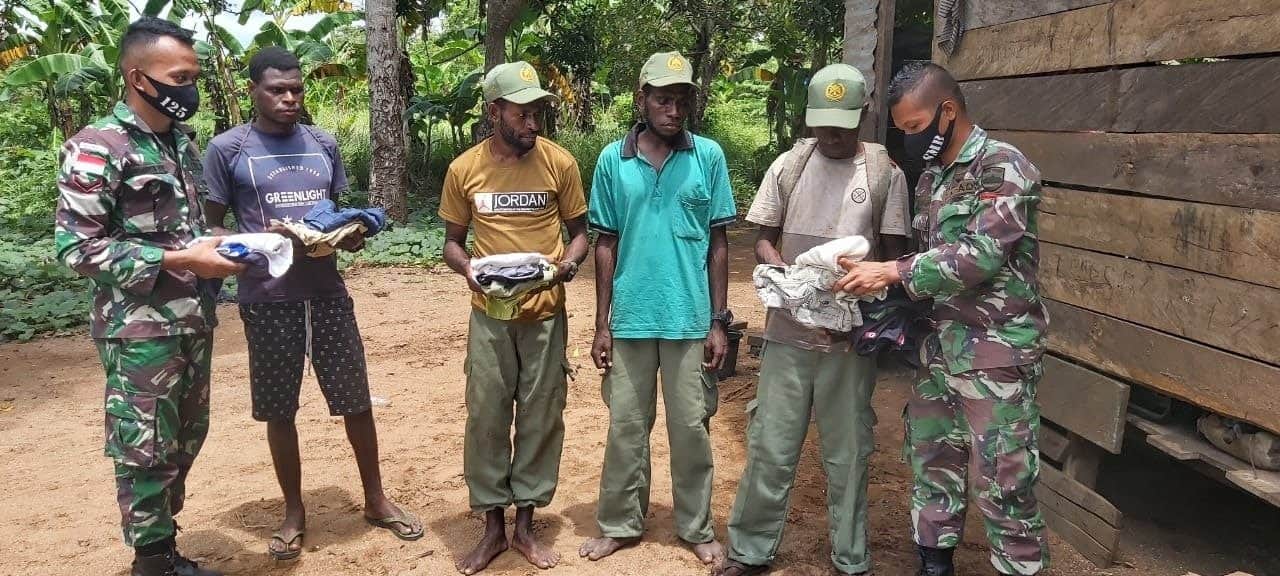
[(868, 46)]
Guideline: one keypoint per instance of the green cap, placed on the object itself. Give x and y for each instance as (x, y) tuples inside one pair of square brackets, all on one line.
[(515, 82), (666, 69), (837, 94)]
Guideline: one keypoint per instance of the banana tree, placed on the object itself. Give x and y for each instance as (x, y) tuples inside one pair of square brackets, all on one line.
[(70, 55)]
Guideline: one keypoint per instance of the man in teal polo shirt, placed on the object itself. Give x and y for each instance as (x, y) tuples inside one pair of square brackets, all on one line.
[(660, 201)]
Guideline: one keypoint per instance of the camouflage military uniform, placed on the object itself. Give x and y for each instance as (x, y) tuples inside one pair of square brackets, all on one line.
[(975, 400), (126, 198)]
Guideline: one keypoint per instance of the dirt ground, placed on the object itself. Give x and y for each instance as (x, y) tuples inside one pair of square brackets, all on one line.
[(59, 516)]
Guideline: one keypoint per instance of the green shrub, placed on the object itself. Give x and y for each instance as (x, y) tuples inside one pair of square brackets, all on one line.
[(741, 129), (30, 192), (37, 293), (417, 243), (586, 147), (349, 125)]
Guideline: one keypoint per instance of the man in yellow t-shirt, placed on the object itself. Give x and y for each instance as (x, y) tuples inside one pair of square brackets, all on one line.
[(515, 190)]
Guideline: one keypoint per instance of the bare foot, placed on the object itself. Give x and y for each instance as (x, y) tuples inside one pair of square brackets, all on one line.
[(536, 553), (491, 545), (710, 553), (522, 540), (597, 548)]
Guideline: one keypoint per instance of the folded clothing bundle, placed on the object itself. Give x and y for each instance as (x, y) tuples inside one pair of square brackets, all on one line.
[(507, 278), (273, 251), (804, 288), (325, 226)]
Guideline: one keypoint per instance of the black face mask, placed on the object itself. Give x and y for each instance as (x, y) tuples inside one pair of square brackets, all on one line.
[(177, 102), (927, 144)]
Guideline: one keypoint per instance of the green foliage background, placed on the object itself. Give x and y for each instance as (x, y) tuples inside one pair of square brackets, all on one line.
[(588, 51)]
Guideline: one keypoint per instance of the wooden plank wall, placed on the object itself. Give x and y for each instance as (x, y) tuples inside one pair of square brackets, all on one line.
[(1160, 220)]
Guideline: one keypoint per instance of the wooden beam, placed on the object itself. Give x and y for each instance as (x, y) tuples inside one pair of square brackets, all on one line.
[(1229, 170), (1227, 314), (1093, 537), (1082, 461), (1186, 445), (1215, 380), (1091, 549), (989, 13), (883, 68), (1234, 96), (1112, 34), (1225, 241), (1084, 402), (1082, 495), (870, 49), (1053, 444)]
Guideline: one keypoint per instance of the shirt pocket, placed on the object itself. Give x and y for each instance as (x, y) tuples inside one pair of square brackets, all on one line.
[(694, 217), (149, 200), (953, 220)]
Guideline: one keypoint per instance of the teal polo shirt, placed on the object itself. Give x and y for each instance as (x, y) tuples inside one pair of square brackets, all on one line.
[(663, 221)]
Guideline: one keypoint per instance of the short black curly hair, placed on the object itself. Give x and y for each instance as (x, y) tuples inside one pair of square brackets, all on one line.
[(272, 57), (144, 32)]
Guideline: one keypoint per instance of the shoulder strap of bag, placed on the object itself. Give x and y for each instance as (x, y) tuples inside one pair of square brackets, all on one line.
[(789, 177), (879, 178)]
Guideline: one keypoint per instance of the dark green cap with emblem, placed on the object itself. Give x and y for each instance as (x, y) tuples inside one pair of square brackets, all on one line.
[(837, 94), (515, 82)]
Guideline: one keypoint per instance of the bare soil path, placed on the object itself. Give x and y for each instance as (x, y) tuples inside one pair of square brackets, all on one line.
[(58, 515)]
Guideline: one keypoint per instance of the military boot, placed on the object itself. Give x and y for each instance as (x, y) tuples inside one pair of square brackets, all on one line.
[(158, 565), (936, 561), (184, 567)]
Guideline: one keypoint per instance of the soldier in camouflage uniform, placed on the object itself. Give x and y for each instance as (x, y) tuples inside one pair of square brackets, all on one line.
[(975, 399), (128, 214)]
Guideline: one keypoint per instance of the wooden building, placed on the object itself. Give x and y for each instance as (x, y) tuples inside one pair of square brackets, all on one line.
[(1156, 126)]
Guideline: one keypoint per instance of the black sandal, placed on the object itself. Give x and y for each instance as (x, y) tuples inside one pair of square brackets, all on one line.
[(288, 553)]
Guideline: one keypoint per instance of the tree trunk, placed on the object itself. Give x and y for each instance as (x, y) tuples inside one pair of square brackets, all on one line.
[(500, 14), (585, 114), (388, 170), (702, 61), (868, 39)]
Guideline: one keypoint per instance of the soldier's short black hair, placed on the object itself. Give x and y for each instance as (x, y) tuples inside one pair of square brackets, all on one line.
[(931, 81), (144, 32), (272, 57)]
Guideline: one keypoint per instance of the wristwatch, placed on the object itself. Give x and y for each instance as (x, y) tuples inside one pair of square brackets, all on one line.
[(724, 317), (573, 269)]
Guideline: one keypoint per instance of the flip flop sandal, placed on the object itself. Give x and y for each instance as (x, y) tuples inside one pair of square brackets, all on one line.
[(287, 553), (402, 518)]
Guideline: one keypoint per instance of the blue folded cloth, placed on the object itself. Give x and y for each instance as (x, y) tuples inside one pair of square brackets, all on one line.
[(326, 217)]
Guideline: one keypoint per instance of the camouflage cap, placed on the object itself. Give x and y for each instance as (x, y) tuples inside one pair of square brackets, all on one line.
[(515, 82), (666, 69), (837, 94)]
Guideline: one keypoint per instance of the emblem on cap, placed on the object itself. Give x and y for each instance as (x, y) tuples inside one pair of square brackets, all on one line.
[(835, 92), (528, 75), (674, 63)]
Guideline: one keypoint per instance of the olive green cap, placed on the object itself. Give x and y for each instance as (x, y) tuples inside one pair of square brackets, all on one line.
[(515, 82), (837, 94), (666, 69)]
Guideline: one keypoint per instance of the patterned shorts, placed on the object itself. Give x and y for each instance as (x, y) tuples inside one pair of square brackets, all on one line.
[(282, 335)]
